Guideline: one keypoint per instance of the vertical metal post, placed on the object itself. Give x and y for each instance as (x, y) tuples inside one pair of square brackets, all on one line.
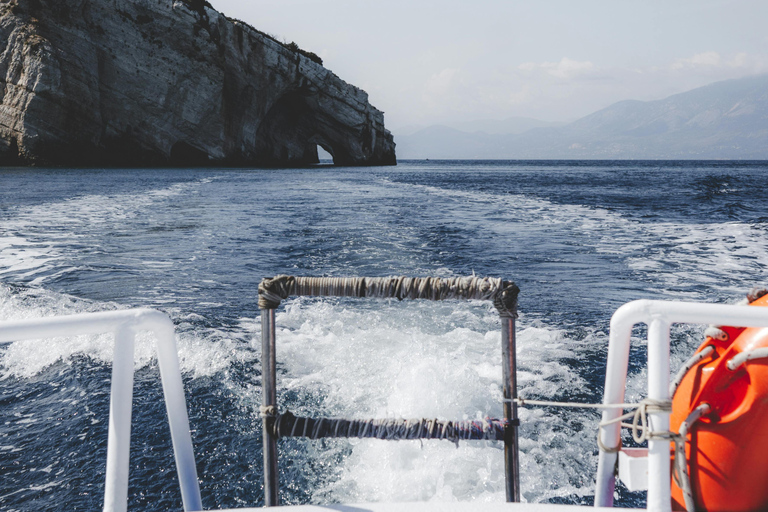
[(509, 368), (622, 322), (269, 399), (178, 419), (119, 438), (659, 494)]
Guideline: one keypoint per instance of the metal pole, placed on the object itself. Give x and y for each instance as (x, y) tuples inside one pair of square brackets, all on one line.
[(509, 367), (269, 399), (659, 494), (617, 363), (119, 438), (178, 419)]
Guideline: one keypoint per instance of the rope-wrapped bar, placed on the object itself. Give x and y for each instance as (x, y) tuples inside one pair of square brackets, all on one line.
[(288, 425), (503, 293)]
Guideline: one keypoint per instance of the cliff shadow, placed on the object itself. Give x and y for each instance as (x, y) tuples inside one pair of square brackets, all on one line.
[(294, 128)]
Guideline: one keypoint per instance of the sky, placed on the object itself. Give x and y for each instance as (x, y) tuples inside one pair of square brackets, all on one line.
[(426, 62)]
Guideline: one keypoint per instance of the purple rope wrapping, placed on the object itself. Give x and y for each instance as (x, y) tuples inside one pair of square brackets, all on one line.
[(288, 425), (503, 294)]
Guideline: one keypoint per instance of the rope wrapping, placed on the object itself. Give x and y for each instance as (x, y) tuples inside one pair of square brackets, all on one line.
[(680, 464), (690, 363), (288, 425), (640, 429), (641, 432), (503, 294), (747, 355)]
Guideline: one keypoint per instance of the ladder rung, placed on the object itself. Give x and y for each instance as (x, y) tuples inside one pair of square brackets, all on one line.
[(289, 425)]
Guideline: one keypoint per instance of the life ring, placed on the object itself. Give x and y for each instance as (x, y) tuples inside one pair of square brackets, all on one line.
[(727, 448)]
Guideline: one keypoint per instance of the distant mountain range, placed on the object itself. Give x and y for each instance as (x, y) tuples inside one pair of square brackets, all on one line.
[(512, 125), (723, 120)]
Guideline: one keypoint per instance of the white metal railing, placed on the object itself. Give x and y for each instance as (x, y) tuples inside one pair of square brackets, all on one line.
[(124, 325), (659, 317)]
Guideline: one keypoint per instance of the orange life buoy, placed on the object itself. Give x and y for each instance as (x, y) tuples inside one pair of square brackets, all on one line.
[(727, 449)]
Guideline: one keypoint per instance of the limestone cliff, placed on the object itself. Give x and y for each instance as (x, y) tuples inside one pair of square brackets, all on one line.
[(169, 82)]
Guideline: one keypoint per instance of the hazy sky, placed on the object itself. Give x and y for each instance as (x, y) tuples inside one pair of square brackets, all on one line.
[(428, 62)]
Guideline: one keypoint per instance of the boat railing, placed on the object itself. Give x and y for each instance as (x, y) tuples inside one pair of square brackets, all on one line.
[(124, 325), (659, 316), (503, 295)]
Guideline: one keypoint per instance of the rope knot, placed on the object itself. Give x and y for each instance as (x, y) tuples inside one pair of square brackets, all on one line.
[(506, 301), (755, 293), (269, 411), (640, 430), (273, 290)]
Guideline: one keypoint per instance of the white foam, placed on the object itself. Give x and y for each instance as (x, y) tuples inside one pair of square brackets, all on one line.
[(430, 360), (728, 257), (203, 351), (33, 239), (389, 360)]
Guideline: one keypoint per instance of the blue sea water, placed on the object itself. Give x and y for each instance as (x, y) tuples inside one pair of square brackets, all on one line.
[(579, 238)]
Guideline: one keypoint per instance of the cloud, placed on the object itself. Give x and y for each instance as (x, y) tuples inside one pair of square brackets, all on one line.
[(566, 68), (713, 61), (705, 60), (441, 83), (557, 91), (739, 60)]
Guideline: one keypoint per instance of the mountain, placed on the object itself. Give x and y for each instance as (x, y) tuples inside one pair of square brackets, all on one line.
[(723, 120), (511, 125), (450, 143)]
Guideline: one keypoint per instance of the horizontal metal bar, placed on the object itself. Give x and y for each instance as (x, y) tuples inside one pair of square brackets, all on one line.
[(288, 425), (503, 294), (84, 323)]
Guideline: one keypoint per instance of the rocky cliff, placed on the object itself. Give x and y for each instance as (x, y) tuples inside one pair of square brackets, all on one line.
[(169, 82)]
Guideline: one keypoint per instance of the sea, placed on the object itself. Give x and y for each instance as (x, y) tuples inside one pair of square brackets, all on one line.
[(580, 238)]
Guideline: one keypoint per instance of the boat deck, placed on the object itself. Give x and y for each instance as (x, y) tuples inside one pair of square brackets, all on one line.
[(418, 506)]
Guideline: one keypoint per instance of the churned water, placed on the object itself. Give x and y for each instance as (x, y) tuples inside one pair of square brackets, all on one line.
[(580, 239)]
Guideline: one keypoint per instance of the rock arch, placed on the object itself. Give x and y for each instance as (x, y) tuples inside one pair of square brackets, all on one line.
[(296, 124), (197, 87)]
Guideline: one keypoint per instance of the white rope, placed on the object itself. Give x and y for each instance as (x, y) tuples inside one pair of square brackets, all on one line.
[(747, 355), (681, 474), (524, 401), (640, 420), (640, 430), (716, 333), (690, 363)]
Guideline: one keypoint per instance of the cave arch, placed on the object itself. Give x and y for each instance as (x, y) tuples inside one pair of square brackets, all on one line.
[(323, 154), (294, 127)]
